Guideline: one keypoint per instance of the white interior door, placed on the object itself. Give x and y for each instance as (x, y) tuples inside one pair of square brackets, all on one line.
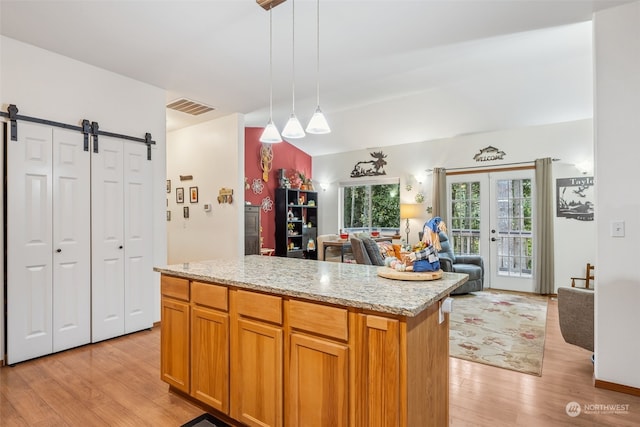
[(138, 243), (71, 241), (29, 243), (107, 228)]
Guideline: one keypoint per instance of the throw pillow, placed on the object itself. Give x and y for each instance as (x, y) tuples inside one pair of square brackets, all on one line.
[(386, 249), (373, 250)]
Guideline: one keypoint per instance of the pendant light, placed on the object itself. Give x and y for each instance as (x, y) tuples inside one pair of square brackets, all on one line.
[(318, 124), (293, 129), (270, 133)]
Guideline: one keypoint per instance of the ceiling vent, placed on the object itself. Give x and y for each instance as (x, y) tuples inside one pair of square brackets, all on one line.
[(190, 107)]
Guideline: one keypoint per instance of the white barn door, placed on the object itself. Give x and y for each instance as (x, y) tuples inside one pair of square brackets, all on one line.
[(48, 280), (122, 239), (107, 207), (71, 241), (138, 239)]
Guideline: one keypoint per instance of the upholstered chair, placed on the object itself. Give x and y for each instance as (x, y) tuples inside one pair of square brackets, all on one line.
[(575, 315), (473, 265)]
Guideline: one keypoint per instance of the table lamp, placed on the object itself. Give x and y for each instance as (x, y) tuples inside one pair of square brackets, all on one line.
[(408, 211)]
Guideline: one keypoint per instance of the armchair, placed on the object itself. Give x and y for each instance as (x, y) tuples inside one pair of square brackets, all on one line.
[(473, 265), (575, 315)]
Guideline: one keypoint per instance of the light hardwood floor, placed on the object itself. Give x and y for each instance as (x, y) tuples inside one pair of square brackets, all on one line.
[(116, 383)]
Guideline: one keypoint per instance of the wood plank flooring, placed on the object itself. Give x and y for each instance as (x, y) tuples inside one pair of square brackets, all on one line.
[(117, 383)]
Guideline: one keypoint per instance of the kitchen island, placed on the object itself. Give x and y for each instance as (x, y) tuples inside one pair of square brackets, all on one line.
[(272, 341)]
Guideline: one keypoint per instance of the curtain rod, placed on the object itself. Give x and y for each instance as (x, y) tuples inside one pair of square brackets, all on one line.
[(495, 166)]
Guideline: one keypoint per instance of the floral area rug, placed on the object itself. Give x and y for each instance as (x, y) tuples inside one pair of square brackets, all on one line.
[(499, 328)]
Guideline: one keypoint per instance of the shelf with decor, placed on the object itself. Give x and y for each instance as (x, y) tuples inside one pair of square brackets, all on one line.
[(296, 223)]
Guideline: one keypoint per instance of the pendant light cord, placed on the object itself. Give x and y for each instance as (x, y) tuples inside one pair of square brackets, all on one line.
[(270, 63), (293, 57), (318, 52)]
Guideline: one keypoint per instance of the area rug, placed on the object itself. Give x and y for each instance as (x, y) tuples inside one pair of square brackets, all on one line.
[(499, 328), (206, 420)]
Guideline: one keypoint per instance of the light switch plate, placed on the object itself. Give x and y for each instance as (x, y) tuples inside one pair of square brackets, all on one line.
[(617, 228)]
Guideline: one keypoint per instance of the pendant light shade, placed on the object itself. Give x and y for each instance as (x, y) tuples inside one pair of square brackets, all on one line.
[(293, 129), (318, 124), (270, 133)]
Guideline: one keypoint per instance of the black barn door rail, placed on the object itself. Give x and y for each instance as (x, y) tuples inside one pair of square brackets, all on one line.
[(88, 129)]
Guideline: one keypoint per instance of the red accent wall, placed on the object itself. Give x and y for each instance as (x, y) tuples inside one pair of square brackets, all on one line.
[(285, 156)]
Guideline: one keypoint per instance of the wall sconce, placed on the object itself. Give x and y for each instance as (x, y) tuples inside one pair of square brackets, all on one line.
[(324, 186), (584, 167)]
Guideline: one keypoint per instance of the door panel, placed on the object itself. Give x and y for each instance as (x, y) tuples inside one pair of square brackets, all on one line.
[(71, 241), (107, 206), (138, 243), (29, 237)]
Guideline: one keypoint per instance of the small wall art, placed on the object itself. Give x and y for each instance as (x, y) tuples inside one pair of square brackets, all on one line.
[(370, 167), (168, 215), (193, 194), (168, 186), (180, 195), (185, 211)]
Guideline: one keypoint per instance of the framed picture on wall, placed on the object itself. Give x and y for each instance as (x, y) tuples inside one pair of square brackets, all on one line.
[(193, 194), (168, 186), (168, 215), (185, 211), (180, 195)]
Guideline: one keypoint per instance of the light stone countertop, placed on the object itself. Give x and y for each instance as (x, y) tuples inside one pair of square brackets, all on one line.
[(350, 285)]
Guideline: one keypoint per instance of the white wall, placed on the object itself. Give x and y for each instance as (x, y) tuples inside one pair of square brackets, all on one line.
[(617, 83), (571, 142), (46, 85), (213, 152)]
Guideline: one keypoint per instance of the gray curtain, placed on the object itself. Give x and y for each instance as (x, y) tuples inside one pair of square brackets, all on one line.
[(544, 265), (439, 197)]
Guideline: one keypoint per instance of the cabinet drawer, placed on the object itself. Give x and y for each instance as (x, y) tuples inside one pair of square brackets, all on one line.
[(175, 287), (319, 319), (209, 295), (259, 306)]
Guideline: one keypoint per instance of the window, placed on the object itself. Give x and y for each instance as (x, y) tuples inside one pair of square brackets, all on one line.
[(372, 206), (464, 230)]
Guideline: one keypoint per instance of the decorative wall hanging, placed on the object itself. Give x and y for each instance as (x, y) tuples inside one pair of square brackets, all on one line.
[(370, 167), (257, 186), (225, 195), (419, 198), (168, 215), (185, 211), (180, 195), (266, 158), (186, 177), (168, 186), (575, 198), (267, 204), (488, 154), (193, 194)]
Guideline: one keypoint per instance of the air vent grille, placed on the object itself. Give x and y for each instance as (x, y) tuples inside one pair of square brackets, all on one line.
[(189, 107)]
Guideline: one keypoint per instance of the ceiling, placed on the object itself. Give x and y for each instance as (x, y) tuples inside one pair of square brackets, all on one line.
[(391, 71)]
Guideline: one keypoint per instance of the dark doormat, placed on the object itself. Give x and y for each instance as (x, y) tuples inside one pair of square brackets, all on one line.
[(206, 420)]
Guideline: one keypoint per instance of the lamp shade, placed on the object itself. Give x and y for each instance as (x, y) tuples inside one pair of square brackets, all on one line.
[(409, 210), (270, 134), (293, 128), (318, 124)]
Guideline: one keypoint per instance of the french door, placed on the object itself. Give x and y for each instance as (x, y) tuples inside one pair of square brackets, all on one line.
[(491, 214)]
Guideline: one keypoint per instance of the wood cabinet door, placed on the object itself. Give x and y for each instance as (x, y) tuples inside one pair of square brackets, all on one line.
[(318, 382), (256, 374), (174, 344), (210, 357), (378, 372)]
